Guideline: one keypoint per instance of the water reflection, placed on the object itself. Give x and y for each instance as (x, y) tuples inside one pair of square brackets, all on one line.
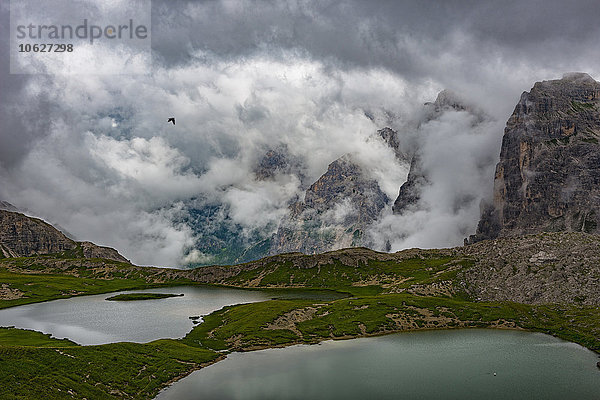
[(93, 320)]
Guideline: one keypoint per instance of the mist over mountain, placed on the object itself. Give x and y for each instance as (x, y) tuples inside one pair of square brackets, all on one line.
[(277, 109)]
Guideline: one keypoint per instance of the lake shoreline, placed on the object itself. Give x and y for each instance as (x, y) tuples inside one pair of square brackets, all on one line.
[(362, 336), (284, 364)]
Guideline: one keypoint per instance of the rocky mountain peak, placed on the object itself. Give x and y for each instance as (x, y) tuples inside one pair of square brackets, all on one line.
[(446, 99), (548, 177), (410, 192), (345, 179), (273, 162), (390, 137), (335, 213)]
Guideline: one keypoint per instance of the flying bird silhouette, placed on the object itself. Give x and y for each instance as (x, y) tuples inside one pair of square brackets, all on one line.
[(172, 119)]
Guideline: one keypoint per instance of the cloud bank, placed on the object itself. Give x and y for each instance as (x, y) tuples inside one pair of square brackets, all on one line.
[(94, 153)]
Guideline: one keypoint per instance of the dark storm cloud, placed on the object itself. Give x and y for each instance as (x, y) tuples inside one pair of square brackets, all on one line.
[(502, 46), (368, 33), (20, 124)]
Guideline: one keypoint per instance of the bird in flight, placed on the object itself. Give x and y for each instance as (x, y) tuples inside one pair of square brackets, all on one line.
[(172, 119)]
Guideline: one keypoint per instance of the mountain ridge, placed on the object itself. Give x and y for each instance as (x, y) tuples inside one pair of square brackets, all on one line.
[(24, 236)]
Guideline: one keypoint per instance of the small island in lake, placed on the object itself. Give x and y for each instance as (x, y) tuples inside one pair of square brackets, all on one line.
[(142, 296)]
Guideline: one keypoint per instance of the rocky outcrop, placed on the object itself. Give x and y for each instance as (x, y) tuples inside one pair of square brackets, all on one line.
[(24, 236), (90, 250), (548, 177), (410, 191), (309, 227), (335, 211), (390, 137), (447, 100), (275, 161)]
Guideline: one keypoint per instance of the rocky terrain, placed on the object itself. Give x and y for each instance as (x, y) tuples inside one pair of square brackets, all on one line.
[(548, 177), (23, 236), (335, 211), (410, 191), (560, 267), (535, 269), (278, 161)]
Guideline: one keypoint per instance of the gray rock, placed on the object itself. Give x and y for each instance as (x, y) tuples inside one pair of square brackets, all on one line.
[(557, 267), (274, 161), (390, 137), (335, 212), (410, 191), (24, 236), (548, 177)]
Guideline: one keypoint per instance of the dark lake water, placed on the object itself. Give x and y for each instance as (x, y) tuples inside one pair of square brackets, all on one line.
[(455, 364)]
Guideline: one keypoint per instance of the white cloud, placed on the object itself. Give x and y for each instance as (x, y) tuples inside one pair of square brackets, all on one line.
[(197, 257), (458, 155), (113, 171)]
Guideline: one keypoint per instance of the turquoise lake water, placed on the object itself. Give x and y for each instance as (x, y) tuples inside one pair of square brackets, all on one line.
[(452, 364)]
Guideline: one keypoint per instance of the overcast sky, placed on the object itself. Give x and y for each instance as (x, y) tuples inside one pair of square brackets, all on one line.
[(93, 153)]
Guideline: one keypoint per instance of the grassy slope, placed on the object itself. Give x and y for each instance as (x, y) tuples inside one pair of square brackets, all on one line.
[(362, 279), (128, 370), (43, 287), (119, 370), (245, 327), (44, 280)]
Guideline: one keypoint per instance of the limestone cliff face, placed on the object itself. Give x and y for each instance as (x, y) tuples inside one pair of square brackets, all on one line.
[(390, 137), (335, 212), (23, 236), (278, 161), (548, 177)]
